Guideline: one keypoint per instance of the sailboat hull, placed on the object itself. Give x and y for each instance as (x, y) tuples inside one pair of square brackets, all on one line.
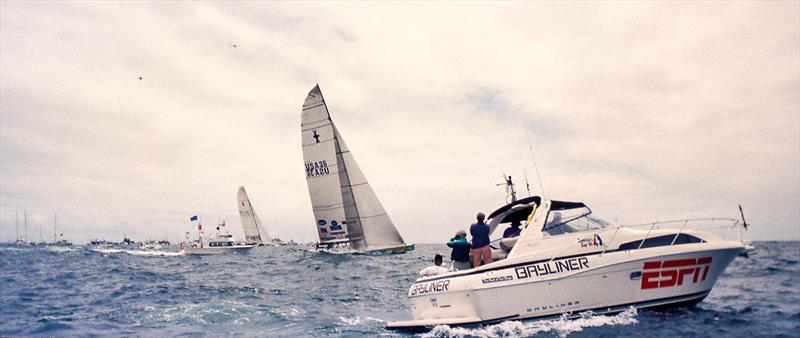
[(392, 250)]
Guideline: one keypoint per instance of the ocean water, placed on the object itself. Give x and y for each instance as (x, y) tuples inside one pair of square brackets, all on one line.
[(293, 291)]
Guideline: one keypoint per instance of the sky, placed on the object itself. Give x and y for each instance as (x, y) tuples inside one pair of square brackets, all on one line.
[(643, 110)]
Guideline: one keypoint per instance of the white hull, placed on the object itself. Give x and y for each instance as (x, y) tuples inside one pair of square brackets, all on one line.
[(237, 249), (609, 282)]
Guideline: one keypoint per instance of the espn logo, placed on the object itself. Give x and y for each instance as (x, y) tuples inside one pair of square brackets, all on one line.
[(658, 274)]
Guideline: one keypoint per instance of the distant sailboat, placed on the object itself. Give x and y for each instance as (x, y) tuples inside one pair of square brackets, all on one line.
[(346, 209), (254, 232)]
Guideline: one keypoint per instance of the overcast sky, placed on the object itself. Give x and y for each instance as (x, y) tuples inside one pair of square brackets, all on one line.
[(642, 110)]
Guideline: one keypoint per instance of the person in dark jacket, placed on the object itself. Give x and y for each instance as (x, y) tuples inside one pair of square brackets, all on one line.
[(460, 253), (513, 230), (480, 242)]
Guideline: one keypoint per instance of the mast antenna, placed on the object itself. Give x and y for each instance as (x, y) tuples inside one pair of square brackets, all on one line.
[(510, 190), (535, 166), (527, 186)]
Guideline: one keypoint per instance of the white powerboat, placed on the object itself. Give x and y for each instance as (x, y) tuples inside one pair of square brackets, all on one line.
[(221, 243), (216, 245), (567, 261), (346, 209)]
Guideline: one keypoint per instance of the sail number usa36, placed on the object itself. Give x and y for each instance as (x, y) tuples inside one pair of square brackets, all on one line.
[(317, 168)]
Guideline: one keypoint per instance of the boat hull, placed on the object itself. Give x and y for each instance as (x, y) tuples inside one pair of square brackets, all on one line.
[(239, 249), (392, 250), (599, 282)]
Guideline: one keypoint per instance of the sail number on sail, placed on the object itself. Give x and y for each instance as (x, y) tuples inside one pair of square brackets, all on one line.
[(317, 168)]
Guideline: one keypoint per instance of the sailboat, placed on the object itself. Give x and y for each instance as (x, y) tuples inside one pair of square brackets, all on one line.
[(346, 209), (254, 232)]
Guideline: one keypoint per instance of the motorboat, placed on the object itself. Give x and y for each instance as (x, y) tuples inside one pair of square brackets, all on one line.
[(346, 210), (216, 245), (222, 242), (567, 261)]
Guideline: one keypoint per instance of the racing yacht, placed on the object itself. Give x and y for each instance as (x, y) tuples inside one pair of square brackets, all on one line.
[(347, 211), (567, 261)]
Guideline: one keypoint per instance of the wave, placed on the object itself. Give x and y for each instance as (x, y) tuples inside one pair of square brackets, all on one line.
[(59, 249), (358, 320), (562, 326), (138, 252)]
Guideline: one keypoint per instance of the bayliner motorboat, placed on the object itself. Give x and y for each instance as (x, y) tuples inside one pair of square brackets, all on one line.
[(567, 261), (347, 211)]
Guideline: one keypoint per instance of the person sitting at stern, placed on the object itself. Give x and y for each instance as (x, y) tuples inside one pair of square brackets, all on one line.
[(434, 270)]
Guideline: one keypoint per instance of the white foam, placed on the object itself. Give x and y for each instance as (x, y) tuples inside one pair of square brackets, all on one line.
[(59, 249), (138, 252), (563, 326), (358, 320), (153, 253), (106, 251)]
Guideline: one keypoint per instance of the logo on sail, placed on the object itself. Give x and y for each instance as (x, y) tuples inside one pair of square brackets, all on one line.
[(315, 136), (317, 168)]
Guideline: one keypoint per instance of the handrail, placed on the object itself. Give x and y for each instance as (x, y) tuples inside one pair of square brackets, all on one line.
[(679, 232), (646, 235), (684, 220), (564, 249), (606, 244)]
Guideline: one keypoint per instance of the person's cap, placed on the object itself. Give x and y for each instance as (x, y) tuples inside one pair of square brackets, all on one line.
[(461, 233)]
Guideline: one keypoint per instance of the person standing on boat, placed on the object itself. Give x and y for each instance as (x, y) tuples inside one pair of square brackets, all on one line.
[(513, 230), (460, 253), (435, 269), (480, 242)]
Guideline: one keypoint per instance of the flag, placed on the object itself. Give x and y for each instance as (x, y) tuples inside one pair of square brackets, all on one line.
[(533, 210), (193, 218)]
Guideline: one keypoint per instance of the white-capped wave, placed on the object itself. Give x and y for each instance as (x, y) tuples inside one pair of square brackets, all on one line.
[(358, 320), (563, 326), (59, 249), (138, 252), (154, 253)]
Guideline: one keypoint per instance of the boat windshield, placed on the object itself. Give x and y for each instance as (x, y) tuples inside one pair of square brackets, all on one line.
[(572, 220)]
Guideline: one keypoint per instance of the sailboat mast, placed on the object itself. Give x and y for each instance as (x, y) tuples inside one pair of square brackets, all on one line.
[(25, 213), (16, 224), (55, 222)]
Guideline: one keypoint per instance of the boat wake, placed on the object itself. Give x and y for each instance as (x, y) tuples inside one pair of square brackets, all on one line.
[(359, 320), (59, 249), (138, 252), (562, 327)]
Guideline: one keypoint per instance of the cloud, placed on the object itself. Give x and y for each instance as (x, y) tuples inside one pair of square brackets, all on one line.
[(644, 110)]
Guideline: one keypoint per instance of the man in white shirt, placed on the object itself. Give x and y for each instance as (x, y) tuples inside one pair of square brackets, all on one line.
[(434, 269)]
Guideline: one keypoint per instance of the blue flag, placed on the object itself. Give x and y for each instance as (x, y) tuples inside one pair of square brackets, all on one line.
[(193, 218)]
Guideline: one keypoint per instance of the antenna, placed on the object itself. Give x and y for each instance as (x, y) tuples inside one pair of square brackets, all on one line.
[(744, 223), (527, 186), (509, 187), (535, 166)]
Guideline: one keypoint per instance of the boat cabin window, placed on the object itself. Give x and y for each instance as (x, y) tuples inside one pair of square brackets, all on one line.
[(572, 220), (665, 240)]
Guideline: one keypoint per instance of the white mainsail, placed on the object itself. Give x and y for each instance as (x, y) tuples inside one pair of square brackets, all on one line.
[(345, 206), (254, 232)]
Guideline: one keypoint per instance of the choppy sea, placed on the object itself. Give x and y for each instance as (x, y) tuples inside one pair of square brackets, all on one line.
[(294, 291)]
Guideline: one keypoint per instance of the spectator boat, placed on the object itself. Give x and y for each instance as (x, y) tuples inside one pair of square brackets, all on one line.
[(567, 261)]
